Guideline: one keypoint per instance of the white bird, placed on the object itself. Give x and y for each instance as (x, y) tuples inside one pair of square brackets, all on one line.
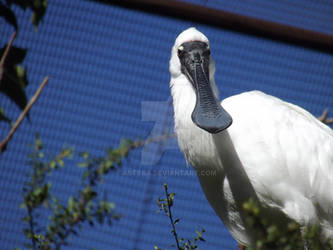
[(257, 146)]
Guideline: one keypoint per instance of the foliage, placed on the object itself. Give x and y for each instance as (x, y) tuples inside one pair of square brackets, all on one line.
[(3, 116), (38, 8), (13, 76), (85, 206), (165, 205), (292, 236)]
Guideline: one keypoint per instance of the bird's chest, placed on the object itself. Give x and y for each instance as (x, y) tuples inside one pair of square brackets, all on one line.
[(223, 199), (197, 146), (232, 217)]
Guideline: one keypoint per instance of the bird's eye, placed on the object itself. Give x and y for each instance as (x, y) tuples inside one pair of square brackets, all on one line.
[(180, 50)]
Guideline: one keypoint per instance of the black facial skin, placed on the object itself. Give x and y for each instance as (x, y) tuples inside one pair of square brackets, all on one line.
[(208, 114), (194, 53)]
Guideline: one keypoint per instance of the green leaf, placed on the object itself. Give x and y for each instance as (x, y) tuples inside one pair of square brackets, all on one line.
[(53, 164), (111, 205), (15, 56), (108, 164), (38, 142), (39, 9), (82, 164), (3, 117), (71, 204), (26, 218), (60, 162), (85, 155), (67, 152), (13, 84)]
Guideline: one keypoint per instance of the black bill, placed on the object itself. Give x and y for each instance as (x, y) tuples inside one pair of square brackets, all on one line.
[(208, 113)]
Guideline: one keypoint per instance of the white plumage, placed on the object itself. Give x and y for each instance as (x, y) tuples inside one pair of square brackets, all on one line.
[(274, 151)]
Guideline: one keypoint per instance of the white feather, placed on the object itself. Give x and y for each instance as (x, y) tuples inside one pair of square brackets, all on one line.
[(274, 151)]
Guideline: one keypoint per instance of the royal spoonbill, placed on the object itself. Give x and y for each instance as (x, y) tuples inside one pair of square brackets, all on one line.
[(259, 146)]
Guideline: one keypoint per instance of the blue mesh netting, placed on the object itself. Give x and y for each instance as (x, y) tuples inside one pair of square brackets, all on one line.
[(307, 14), (109, 69)]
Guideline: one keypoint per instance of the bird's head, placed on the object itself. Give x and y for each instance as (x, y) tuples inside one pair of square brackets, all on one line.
[(190, 57)]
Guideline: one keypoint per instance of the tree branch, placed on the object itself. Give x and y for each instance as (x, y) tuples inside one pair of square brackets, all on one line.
[(143, 143), (23, 114), (323, 118), (5, 54), (169, 202)]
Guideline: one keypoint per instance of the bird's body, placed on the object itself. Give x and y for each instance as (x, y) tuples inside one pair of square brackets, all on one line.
[(273, 152)]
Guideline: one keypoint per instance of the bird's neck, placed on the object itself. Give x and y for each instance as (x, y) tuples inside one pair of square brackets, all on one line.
[(184, 99), (200, 148), (196, 144)]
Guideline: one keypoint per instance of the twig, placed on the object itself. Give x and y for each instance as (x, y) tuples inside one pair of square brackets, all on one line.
[(323, 118), (5, 54), (170, 216), (76, 220), (23, 114), (142, 143), (32, 226), (9, 45)]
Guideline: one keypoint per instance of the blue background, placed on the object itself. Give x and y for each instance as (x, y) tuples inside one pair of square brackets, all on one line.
[(109, 80)]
